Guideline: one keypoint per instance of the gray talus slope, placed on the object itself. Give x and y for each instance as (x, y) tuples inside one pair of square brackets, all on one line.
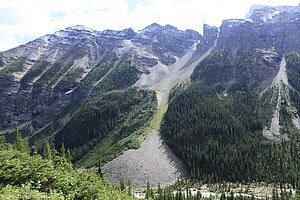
[(153, 162), (281, 84)]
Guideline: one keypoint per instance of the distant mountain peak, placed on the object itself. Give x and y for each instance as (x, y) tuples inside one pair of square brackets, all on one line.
[(252, 8), (263, 13), (80, 27), (168, 26), (154, 25)]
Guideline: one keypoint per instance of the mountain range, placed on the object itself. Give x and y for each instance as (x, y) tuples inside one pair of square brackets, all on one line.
[(161, 103)]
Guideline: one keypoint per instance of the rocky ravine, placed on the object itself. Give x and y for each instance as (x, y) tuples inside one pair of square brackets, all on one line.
[(282, 86), (154, 161)]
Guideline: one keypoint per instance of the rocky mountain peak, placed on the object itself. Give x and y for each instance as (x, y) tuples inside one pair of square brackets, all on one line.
[(210, 35), (268, 32), (271, 14), (128, 31), (252, 8), (170, 27), (113, 34), (156, 29), (166, 42), (152, 27), (210, 31), (80, 28), (266, 27)]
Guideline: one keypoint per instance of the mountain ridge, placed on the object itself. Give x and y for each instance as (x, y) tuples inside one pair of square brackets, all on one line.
[(62, 83), (37, 50)]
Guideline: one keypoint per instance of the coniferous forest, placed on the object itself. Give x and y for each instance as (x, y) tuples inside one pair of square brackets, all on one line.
[(219, 137)]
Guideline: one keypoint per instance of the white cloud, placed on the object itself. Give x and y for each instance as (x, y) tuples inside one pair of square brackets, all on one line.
[(22, 20)]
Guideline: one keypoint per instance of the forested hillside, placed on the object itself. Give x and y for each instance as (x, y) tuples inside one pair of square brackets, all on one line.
[(293, 66), (218, 137), (108, 122), (238, 121), (115, 120)]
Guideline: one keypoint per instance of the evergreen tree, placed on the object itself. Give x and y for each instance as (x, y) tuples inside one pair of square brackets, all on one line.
[(151, 193), (159, 191), (199, 195), (2, 141), (231, 197), (180, 196), (275, 194), (63, 151), (122, 184), (187, 190), (129, 188), (99, 168), (148, 190), (47, 152), (18, 142), (25, 146), (68, 156)]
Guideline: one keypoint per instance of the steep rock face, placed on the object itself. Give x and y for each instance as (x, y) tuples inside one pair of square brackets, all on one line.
[(167, 42), (265, 28), (252, 52), (39, 79), (51, 66), (267, 34), (210, 35)]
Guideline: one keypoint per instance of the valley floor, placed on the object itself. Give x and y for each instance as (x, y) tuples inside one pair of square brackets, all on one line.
[(214, 191)]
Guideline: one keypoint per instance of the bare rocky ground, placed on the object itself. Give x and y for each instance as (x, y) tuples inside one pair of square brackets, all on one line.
[(153, 162)]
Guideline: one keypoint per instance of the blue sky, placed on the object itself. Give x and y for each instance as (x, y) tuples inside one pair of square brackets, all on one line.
[(25, 20)]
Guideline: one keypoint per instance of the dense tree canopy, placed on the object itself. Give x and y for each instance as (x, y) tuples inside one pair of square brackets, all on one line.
[(219, 137)]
